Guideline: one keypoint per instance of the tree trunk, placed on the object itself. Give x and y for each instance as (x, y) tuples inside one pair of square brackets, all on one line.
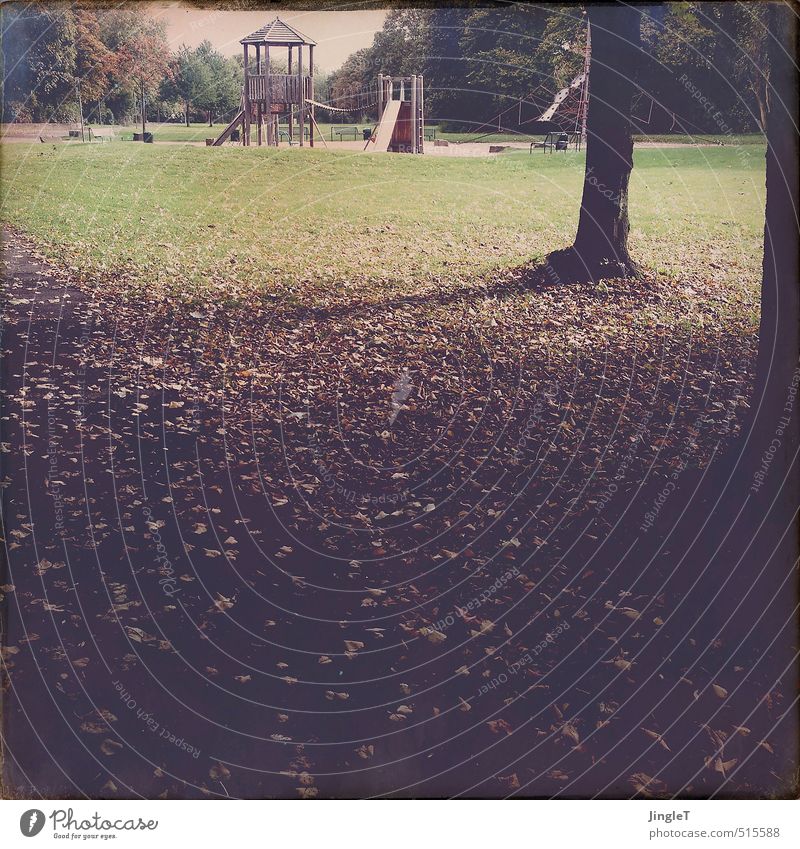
[(774, 400), (601, 243), (210, 121), (186, 112)]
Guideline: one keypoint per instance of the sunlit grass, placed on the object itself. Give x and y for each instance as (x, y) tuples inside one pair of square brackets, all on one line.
[(228, 221)]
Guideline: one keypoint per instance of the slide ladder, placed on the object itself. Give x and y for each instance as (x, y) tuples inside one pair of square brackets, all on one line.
[(225, 134), (560, 97)]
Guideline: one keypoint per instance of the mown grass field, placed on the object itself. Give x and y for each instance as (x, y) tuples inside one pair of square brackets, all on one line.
[(198, 132), (194, 221)]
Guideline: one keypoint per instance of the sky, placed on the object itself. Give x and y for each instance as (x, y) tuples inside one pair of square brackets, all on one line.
[(338, 34)]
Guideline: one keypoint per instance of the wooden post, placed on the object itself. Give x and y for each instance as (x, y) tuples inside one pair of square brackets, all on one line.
[(268, 95), (313, 122), (291, 105), (144, 129), (259, 111), (301, 123), (246, 121), (80, 109), (414, 116), (421, 104)]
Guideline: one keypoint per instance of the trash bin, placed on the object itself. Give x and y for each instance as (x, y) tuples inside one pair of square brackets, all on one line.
[(367, 133), (562, 141), (147, 138), (235, 135)]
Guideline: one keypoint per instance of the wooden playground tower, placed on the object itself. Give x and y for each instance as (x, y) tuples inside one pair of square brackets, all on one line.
[(267, 96)]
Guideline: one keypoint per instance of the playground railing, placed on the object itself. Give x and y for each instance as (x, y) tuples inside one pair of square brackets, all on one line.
[(283, 133), (355, 132)]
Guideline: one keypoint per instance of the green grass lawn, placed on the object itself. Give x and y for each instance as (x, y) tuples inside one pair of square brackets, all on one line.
[(226, 221), (200, 132)]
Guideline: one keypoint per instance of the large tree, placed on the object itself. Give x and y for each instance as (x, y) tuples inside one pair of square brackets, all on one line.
[(188, 80), (94, 62), (601, 243), (39, 58), (141, 49), (226, 81), (776, 392)]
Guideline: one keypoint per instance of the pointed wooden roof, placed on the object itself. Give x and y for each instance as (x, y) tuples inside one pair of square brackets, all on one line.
[(277, 32)]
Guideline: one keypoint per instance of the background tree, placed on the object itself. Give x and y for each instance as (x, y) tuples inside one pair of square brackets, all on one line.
[(39, 56), (504, 59), (189, 80), (717, 47), (477, 63), (223, 89), (94, 62), (401, 44), (751, 64), (142, 52)]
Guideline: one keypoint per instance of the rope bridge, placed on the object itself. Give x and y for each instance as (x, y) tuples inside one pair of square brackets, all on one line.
[(337, 108)]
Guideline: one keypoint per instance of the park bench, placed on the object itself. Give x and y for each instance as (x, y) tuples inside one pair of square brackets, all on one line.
[(283, 134), (558, 141), (430, 134), (101, 134)]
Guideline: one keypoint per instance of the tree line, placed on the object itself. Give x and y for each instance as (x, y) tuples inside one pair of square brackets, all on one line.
[(105, 64), (485, 68), (500, 67)]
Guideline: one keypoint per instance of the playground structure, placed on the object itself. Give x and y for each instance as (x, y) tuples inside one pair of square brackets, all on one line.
[(401, 110), (266, 97)]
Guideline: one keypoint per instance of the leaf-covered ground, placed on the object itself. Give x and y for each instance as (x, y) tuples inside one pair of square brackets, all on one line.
[(393, 548)]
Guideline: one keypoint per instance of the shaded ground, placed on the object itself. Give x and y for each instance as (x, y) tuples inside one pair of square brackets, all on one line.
[(413, 548)]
